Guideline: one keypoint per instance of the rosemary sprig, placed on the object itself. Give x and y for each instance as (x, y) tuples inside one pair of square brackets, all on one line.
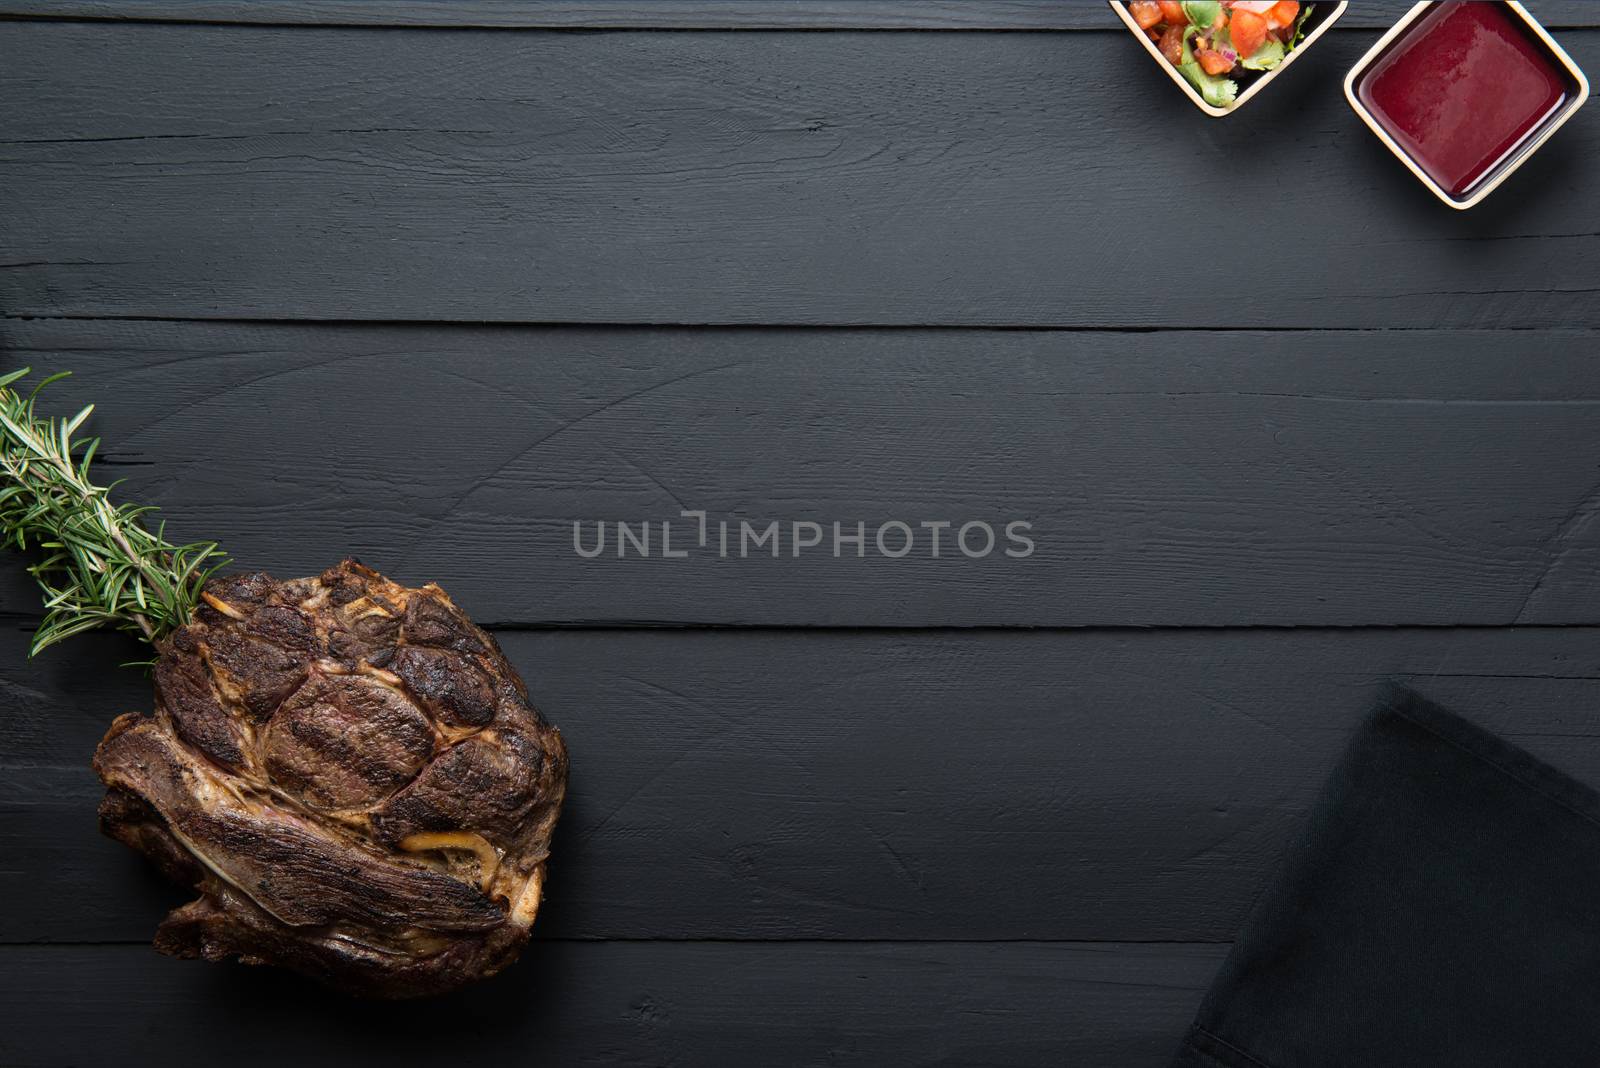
[(101, 566)]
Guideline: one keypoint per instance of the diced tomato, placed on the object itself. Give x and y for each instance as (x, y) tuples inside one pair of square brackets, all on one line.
[(1213, 62), (1248, 30), (1172, 12), (1172, 44), (1145, 12), (1255, 7), (1284, 13)]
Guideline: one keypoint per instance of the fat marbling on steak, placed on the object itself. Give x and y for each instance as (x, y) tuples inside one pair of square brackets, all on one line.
[(350, 774)]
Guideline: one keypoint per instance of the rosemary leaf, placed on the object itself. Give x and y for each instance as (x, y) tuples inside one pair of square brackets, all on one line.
[(101, 566)]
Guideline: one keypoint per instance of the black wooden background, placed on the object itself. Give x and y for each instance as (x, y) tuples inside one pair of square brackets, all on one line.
[(424, 282)]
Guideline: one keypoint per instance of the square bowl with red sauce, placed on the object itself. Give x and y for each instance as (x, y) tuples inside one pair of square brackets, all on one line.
[(1464, 92)]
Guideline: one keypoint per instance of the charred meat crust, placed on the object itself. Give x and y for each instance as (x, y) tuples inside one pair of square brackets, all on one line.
[(349, 774)]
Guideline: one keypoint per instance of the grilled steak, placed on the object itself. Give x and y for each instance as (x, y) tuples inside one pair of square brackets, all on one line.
[(349, 773)]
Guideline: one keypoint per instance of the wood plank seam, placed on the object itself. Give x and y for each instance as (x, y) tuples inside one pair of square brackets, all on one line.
[(887, 327), (701, 16)]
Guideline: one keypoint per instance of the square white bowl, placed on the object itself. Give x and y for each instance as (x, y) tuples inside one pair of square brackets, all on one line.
[(1523, 152), (1323, 24)]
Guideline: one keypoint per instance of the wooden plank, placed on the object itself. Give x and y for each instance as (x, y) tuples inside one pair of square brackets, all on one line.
[(881, 785), (1204, 478), (626, 1004), (680, 14), (943, 178)]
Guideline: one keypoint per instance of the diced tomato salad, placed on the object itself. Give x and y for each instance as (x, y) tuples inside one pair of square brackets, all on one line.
[(1212, 42)]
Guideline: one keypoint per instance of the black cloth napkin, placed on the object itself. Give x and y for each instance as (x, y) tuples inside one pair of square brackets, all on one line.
[(1441, 909)]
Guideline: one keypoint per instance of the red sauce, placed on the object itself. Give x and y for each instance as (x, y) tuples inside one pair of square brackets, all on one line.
[(1462, 89)]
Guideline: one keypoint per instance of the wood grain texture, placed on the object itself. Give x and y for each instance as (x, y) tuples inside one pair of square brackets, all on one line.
[(683, 14), (1195, 478), (879, 785), (938, 178), (631, 1004)]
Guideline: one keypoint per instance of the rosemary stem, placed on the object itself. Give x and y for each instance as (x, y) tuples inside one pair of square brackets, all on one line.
[(91, 498), (121, 541)]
